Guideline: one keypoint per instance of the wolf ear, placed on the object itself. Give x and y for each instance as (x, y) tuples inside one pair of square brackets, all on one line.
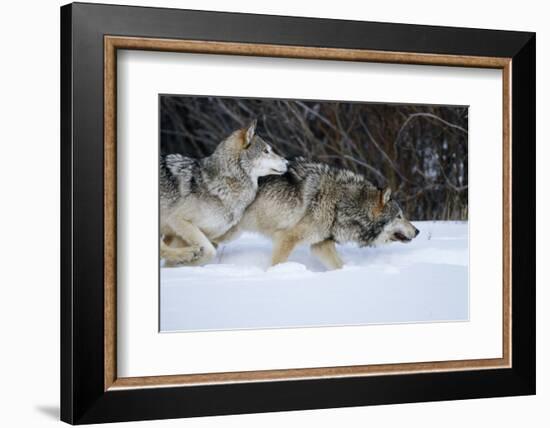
[(249, 134), (385, 195)]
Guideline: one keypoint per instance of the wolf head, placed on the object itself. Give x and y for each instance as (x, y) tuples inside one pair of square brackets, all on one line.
[(252, 153), (395, 226), (370, 217)]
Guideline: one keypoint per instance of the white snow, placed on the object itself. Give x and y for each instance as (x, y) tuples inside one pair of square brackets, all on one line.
[(423, 281)]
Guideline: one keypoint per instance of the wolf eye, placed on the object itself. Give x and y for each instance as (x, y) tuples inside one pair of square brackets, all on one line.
[(266, 150)]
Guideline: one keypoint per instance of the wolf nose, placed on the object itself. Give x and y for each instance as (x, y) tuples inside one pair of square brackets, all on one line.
[(416, 232)]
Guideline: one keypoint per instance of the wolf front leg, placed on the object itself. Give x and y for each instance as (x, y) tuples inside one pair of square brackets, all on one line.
[(283, 244), (326, 252), (199, 249)]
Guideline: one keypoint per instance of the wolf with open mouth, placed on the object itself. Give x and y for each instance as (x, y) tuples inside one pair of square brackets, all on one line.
[(319, 205)]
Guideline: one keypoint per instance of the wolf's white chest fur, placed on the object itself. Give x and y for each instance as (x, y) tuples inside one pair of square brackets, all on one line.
[(215, 219), (222, 209)]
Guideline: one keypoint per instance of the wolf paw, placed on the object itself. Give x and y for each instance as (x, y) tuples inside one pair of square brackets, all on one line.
[(197, 253), (184, 256)]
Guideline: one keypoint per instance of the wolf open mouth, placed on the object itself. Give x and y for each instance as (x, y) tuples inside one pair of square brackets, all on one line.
[(398, 236)]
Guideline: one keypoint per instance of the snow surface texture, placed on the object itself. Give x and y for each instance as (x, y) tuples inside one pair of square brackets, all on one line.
[(422, 281)]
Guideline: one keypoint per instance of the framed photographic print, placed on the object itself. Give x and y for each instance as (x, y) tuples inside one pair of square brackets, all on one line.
[(266, 213)]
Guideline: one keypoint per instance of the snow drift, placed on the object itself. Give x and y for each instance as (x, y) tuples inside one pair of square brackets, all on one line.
[(423, 281)]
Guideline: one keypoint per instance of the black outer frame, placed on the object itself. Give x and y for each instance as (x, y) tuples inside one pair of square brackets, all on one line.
[(83, 399)]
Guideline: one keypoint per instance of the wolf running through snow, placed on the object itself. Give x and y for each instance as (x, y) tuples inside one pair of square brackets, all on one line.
[(319, 205), (201, 199)]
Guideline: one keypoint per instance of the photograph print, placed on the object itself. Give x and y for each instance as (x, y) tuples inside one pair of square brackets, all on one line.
[(287, 213)]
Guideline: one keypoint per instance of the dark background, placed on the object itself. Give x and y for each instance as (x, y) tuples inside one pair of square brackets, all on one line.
[(420, 151)]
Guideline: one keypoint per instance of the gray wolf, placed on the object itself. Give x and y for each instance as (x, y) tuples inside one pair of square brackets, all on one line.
[(201, 199), (319, 205)]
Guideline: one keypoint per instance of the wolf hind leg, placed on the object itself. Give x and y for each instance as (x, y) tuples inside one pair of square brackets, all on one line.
[(326, 252), (199, 249), (283, 244), (175, 251), (174, 241), (174, 256)]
